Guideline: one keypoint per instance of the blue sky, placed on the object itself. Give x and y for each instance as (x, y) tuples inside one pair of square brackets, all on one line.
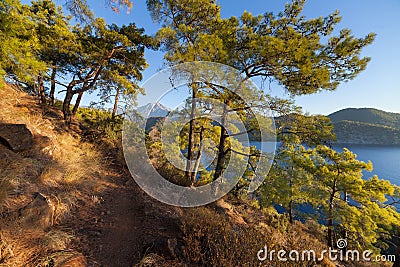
[(376, 87)]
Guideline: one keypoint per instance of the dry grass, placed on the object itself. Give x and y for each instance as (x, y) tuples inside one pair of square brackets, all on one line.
[(59, 166), (4, 187), (5, 250), (213, 237), (151, 260), (57, 239)]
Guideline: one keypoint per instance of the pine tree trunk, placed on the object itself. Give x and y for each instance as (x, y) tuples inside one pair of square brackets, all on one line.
[(291, 211), (344, 232), (198, 158), (77, 103), (114, 111), (66, 106), (291, 193), (330, 218), (221, 146), (188, 173), (41, 89), (53, 84), (330, 234)]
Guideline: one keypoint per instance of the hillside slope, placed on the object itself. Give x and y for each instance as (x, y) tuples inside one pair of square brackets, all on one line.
[(367, 115), (366, 126), (352, 132), (99, 217)]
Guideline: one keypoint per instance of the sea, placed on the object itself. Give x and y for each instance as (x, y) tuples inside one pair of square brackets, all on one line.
[(385, 159)]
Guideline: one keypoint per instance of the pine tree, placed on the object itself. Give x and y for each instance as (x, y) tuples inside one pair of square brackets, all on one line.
[(351, 204), (107, 54), (290, 183), (286, 48), (81, 10), (19, 43), (56, 42)]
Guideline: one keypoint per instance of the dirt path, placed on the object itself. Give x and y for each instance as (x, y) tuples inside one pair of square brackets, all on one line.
[(123, 224)]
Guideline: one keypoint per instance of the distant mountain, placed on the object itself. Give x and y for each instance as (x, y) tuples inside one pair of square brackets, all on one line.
[(154, 110), (155, 113), (367, 115), (366, 126)]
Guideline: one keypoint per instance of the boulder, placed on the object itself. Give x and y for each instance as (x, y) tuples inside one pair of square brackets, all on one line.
[(7, 157), (170, 248), (223, 207), (66, 259), (16, 136), (75, 260), (39, 213)]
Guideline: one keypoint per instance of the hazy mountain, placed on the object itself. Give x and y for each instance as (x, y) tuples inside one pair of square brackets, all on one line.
[(367, 115), (366, 126), (155, 110)]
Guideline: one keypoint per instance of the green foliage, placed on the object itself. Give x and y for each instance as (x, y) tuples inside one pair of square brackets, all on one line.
[(162, 156), (19, 42), (81, 10), (285, 47), (352, 132), (108, 57), (288, 183), (57, 41), (53, 30), (331, 182), (122, 72), (310, 130), (101, 125), (39, 46), (355, 204), (304, 56), (124, 45), (290, 49), (188, 28)]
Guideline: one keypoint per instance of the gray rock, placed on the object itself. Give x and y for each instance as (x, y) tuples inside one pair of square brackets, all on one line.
[(16, 136), (39, 213)]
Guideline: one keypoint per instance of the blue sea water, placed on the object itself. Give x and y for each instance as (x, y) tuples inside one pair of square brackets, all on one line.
[(385, 159)]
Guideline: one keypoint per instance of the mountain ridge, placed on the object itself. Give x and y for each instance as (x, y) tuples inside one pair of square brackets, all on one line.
[(366, 126), (153, 110)]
